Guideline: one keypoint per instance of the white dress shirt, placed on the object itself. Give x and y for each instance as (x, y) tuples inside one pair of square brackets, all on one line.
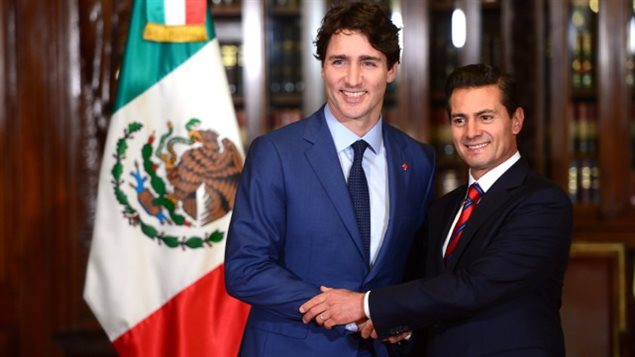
[(375, 169)]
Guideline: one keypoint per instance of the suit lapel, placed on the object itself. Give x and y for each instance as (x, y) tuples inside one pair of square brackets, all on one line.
[(495, 197), (325, 163)]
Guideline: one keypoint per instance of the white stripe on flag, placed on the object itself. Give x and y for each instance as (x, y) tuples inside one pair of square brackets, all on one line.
[(175, 12)]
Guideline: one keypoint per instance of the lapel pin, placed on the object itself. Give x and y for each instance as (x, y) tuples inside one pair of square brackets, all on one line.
[(404, 166)]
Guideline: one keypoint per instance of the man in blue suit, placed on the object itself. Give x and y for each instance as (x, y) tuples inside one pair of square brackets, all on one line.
[(496, 253), (295, 225)]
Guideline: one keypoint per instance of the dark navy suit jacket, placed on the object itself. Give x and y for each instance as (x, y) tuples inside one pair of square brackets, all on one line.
[(499, 293), (293, 229)]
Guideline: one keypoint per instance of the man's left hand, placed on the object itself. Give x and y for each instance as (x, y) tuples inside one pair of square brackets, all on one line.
[(334, 307)]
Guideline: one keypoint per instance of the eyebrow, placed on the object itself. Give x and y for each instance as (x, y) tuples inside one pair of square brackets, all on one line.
[(479, 113), (486, 111), (370, 58), (362, 58)]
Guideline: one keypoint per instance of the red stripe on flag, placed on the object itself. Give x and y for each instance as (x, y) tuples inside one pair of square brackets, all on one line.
[(195, 12), (202, 320)]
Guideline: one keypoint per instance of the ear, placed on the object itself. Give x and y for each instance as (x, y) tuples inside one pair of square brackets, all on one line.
[(392, 73), (517, 120)]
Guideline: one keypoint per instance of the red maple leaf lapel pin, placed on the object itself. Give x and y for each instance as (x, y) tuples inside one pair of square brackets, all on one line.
[(405, 166)]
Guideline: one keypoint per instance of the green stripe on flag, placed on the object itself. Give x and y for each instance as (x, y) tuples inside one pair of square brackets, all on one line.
[(146, 62), (156, 11)]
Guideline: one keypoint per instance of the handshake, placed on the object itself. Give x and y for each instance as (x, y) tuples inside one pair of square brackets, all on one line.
[(341, 307)]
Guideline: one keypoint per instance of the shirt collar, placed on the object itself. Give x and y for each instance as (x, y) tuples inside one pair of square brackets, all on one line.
[(486, 181), (344, 137)]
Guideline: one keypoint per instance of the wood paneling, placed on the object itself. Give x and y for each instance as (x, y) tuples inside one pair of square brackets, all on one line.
[(57, 66), (595, 300), (414, 81)]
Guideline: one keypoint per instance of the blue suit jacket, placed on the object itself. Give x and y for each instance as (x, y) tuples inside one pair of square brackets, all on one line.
[(293, 229), (500, 292)]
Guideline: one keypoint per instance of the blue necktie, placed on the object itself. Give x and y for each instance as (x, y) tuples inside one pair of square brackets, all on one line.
[(358, 188)]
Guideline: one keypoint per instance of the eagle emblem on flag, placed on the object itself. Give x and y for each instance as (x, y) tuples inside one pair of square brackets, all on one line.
[(184, 181)]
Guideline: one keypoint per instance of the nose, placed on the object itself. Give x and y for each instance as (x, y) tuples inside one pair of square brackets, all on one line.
[(353, 75), (471, 128)]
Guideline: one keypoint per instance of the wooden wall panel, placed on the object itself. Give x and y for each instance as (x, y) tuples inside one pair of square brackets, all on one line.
[(596, 298), (57, 66), (39, 173), (413, 72), (100, 46), (8, 318)]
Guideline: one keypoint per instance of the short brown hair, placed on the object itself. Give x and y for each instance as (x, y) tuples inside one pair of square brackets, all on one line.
[(366, 17)]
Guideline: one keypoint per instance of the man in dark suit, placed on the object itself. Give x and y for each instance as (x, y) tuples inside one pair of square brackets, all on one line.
[(496, 254), (296, 226)]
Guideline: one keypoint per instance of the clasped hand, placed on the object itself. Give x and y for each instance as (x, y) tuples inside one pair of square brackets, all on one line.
[(340, 307)]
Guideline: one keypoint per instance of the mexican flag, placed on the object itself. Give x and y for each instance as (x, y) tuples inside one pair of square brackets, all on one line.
[(166, 192)]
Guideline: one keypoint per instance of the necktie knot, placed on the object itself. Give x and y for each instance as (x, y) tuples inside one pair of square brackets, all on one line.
[(474, 193), (358, 148)]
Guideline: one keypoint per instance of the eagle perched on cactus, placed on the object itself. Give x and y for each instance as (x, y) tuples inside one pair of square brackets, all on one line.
[(213, 165)]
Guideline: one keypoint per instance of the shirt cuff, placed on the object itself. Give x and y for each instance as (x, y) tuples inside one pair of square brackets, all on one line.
[(366, 307)]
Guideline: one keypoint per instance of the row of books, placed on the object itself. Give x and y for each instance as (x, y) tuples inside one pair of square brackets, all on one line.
[(444, 57), (582, 48), (584, 181), (583, 130), (582, 69), (285, 56), (286, 3), (442, 133), (232, 58), (225, 3)]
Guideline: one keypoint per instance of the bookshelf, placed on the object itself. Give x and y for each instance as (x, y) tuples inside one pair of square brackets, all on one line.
[(272, 42), (227, 15), (591, 146), (583, 170), (286, 81), (267, 49), (484, 46), (273, 39), (573, 63), (576, 69)]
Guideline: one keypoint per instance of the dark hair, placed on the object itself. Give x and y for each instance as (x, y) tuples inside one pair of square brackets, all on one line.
[(480, 75), (365, 17)]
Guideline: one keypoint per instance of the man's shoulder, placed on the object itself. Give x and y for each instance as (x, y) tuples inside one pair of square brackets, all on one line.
[(538, 182)]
